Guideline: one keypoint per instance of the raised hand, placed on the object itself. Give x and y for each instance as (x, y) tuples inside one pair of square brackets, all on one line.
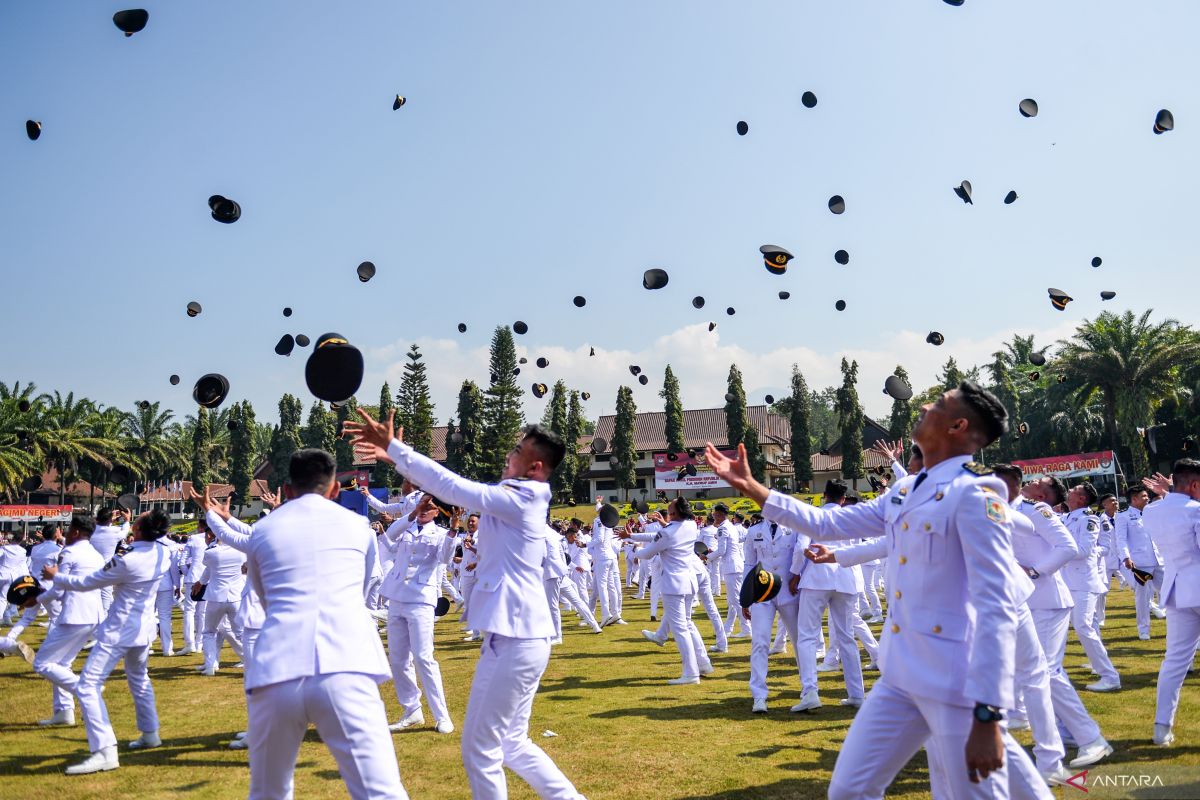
[(271, 500), (371, 437), (820, 554)]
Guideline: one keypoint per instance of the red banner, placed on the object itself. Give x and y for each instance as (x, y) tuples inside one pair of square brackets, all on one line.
[(674, 474), (35, 513), (1073, 466)]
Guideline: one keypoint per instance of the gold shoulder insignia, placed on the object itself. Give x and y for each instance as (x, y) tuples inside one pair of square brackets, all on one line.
[(1047, 513), (988, 489), (975, 468)]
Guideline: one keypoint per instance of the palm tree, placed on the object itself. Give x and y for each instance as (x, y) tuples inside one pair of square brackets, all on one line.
[(17, 457), (64, 437), (1129, 366), (146, 431)]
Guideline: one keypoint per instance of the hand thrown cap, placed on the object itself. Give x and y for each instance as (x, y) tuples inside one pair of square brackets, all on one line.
[(334, 369), (210, 390)]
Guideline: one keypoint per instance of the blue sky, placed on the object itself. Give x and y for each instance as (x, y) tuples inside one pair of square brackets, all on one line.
[(554, 149)]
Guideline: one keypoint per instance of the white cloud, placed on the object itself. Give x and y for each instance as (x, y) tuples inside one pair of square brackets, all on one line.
[(701, 362)]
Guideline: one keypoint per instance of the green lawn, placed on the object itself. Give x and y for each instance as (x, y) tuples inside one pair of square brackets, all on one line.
[(622, 733)]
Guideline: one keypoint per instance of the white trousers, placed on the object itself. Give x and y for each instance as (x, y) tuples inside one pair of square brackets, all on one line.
[(351, 720), (54, 659), (871, 576), (607, 579), (714, 577), (892, 726), (1052, 625), (102, 660), (733, 612), (705, 596), (448, 586), (164, 603), (193, 619), (553, 588), (1183, 636), (496, 729), (373, 592), (763, 616), (466, 585), (1083, 619), (1142, 595), (570, 594), (410, 653), (677, 614), (214, 614), (1032, 675), (656, 594), (842, 608)]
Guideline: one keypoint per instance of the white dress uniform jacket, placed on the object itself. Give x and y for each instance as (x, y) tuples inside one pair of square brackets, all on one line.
[(834, 577), (1080, 572), (950, 561), (305, 543), (78, 607), (14, 562), (106, 538), (223, 574), (43, 554), (674, 545), (774, 546), (729, 549), (193, 558), (1134, 542), (135, 575), (236, 534), (1175, 522), (1045, 549), (509, 597), (415, 576)]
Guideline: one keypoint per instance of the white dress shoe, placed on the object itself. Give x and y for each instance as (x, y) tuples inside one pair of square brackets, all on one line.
[(1092, 752), (595, 628), (651, 636), (1058, 777), (240, 735), (64, 716), (444, 726), (871, 665), (239, 744), (707, 669), (102, 760), (1145, 637), (851, 701), (760, 706), (1163, 735), (774, 651), (683, 681), (875, 619), (1018, 724), (808, 701), (1105, 685), (556, 641), (619, 621), (145, 741), (415, 718), (824, 667), (1158, 611), (713, 648)]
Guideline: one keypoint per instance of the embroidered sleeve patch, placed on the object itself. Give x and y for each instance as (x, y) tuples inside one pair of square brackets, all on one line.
[(995, 509), (1047, 513)]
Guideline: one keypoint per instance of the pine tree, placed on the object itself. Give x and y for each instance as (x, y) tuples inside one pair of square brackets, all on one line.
[(470, 421), (1005, 389), (556, 420), (758, 461), (201, 443), (320, 431), (573, 465), (622, 447), (801, 445), (343, 449), (951, 375), (241, 459), (502, 416), (454, 451), (900, 424), (735, 407), (850, 421), (384, 474), (285, 439), (414, 408), (674, 411)]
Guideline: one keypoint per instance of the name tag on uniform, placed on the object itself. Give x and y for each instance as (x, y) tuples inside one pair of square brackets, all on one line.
[(897, 501)]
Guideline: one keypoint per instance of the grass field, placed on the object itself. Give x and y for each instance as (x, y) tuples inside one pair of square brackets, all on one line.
[(622, 733)]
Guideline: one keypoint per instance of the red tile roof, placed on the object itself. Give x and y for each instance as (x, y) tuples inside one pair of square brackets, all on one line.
[(699, 426), (167, 494)]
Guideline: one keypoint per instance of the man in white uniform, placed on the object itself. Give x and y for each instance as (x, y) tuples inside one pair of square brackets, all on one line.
[(949, 558), (126, 633), (467, 579), (1137, 549), (1083, 579), (509, 601), (318, 659), (771, 546), (708, 534), (223, 576), (733, 567), (605, 571), (112, 526), (192, 560)]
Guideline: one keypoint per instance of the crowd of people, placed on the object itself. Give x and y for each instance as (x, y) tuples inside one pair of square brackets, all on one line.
[(983, 575)]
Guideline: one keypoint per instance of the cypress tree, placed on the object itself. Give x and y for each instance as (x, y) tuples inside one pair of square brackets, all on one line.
[(320, 431), (502, 416), (673, 408), (241, 459), (285, 439), (343, 450), (623, 449), (470, 421), (801, 444), (850, 421), (900, 423), (735, 407), (951, 375), (201, 437), (414, 408), (384, 474), (556, 420), (573, 465)]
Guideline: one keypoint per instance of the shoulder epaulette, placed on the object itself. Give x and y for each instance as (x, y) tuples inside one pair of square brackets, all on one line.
[(975, 468)]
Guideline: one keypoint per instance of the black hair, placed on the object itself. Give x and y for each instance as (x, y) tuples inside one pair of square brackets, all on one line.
[(310, 470), (104, 516), (683, 509), (548, 444), (1057, 488), (986, 408), (1108, 496), (1090, 491), (835, 490), (721, 508), (1186, 467), (916, 451), (852, 500), (155, 524), (1008, 471), (1133, 489), (83, 523)]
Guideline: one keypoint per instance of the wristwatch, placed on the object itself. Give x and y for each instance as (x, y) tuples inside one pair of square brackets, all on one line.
[(1032, 573), (986, 713)]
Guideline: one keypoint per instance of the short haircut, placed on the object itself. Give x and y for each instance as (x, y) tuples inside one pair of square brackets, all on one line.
[(1009, 472), (104, 516), (1186, 468), (986, 410), (155, 524), (476, 516), (683, 509), (1130, 491), (1090, 491), (310, 470), (1058, 489), (835, 490), (1108, 496), (83, 523), (852, 500), (721, 508), (916, 451), (548, 444)]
